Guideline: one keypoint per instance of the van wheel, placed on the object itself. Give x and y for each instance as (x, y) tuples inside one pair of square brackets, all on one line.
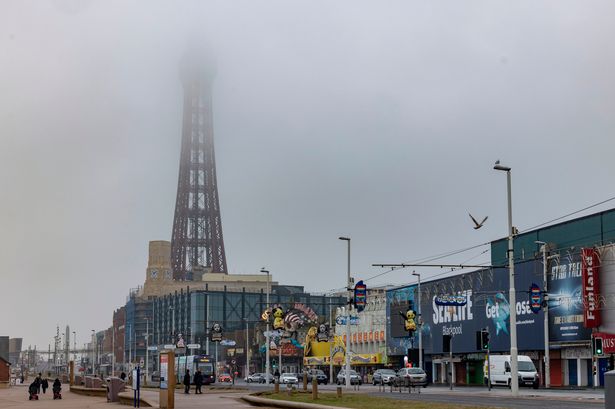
[(535, 385), (509, 384)]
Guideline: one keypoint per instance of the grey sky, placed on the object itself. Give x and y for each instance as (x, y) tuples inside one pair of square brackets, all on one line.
[(376, 120)]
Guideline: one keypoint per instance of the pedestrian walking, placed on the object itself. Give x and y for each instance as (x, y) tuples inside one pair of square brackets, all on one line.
[(45, 385), (39, 382), (187, 381), (198, 381)]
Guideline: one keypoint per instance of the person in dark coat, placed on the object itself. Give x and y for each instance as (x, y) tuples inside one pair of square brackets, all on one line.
[(45, 385), (38, 381), (123, 376), (187, 381), (57, 385), (198, 381)]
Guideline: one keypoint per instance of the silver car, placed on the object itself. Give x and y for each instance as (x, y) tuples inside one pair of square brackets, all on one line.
[(411, 377), (355, 379), (288, 377)]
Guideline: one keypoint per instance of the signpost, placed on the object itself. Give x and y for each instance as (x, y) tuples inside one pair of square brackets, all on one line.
[(136, 386), (167, 380)]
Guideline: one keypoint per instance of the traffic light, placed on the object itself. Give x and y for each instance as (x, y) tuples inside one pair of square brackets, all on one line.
[(485, 340), (482, 340), (446, 343), (598, 346)]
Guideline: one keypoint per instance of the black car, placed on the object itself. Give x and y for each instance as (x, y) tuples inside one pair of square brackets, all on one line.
[(384, 377), (319, 374)]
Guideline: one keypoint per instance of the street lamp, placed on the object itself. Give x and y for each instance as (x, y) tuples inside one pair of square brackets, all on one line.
[(93, 353), (543, 249), (514, 373), (267, 372), (418, 275), (247, 350), (349, 285), (75, 345)]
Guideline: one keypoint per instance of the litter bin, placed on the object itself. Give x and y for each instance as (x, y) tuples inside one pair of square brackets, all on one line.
[(114, 386)]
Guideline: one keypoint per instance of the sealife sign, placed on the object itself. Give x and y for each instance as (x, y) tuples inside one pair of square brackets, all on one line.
[(451, 300)]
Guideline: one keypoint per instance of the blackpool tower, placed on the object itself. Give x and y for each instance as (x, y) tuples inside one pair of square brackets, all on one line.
[(197, 226)]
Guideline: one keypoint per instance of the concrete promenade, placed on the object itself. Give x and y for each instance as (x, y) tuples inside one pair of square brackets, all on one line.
[(16, 397)]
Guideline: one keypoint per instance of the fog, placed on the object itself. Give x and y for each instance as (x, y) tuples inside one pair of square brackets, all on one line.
[(379, 121)]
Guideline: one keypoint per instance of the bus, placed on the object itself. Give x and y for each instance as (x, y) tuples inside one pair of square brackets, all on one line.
[(205, 363)]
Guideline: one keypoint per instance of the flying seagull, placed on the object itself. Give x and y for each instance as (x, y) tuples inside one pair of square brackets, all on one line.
[(478, 225)]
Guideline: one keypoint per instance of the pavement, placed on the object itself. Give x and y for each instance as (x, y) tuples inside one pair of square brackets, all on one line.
[(16, 397)]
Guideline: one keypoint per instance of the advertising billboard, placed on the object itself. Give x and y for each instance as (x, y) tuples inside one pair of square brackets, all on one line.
[(486, 294), (590, 270), (565, 299)]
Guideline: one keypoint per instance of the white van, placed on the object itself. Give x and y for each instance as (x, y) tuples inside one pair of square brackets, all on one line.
[(500, 371)]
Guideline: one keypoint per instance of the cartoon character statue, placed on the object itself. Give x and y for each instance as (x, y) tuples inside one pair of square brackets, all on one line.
[(409, 320), (278, 318)]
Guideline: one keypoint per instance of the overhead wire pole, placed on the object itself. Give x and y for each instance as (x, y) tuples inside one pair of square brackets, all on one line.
[(349, 285), (514, 365), (267, 370)]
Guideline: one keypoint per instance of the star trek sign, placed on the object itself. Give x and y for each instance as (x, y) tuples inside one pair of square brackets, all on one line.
[(591, 287)]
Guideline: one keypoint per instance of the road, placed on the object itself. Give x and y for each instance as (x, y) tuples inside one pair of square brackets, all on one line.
[(497, 397)]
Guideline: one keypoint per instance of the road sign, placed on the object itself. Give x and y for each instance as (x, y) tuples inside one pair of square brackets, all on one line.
[(193, 346), (360, 296), (341, 320), (228, 343), (169, 346), (154, 348)]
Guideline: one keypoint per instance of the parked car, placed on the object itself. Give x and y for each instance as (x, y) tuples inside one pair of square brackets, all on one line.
[(354, 378), (320, 376), (269, 377), (288, 377), (256, 377), (411, 377), (384, 377), (225, 377)]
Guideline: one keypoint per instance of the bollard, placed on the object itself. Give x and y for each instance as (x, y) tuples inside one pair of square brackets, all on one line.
[(609, 389), (276, 387), (314, 388), (339, 391), (304, 381)]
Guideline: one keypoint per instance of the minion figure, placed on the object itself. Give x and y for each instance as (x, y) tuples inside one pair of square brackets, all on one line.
[(278, 320), (409, 320)]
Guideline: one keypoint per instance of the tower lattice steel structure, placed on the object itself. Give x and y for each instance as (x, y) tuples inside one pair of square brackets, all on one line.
[(197, 226)]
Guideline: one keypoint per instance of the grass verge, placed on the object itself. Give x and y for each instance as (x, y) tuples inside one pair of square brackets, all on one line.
[(363, 401)]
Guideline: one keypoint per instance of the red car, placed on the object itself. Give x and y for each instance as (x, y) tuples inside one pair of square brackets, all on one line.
[(225, 378)]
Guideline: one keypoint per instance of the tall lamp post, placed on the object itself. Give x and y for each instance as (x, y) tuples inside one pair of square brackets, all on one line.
[(543, 249), (267, 371), (247, 350), (74, 345), (420, 326), (349, 285), (93, 353), (514, 372)]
